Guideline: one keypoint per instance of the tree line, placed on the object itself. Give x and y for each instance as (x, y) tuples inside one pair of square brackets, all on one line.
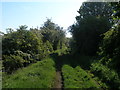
[(96, 33), (23, 46)]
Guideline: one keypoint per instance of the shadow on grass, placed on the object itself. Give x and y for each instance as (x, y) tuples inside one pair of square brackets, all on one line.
[(72, 60)]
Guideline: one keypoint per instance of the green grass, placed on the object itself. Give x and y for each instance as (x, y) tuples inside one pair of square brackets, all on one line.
[(38, 75), (77, 78)]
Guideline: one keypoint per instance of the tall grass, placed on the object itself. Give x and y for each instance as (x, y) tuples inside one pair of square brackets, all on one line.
[(77, 78), (38, 75)]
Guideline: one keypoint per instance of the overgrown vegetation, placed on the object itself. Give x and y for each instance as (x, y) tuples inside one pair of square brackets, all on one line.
[(38, 75), (93, 20), (22, 47), (96, 34), (77, 78), (106, 75), (94, 46)]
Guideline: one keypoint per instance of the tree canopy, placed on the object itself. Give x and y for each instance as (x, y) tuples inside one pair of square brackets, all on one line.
[(29, 46), (91, 23)]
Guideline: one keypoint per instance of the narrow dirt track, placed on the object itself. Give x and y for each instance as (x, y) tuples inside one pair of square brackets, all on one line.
[(58, 83), (58, 80)]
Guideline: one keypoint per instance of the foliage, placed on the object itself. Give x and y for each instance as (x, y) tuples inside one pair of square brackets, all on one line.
[(97, 29), (116, 11), (12, 63), (107, 67), (77, 78), (49, 25), (38, 75), (20, 48), (48, 47), (53, 33), (91, 23), (110, 77), (96, 9), (31, 45), (27, 57), (110, 47), (22, 40)]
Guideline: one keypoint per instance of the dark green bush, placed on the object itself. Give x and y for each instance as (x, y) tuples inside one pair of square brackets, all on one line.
[(110, 77), (27, 57), (12, 63)]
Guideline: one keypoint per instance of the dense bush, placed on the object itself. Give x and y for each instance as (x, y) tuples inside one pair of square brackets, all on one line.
[(22, 40), (12, 62), (105, 74), (28, 58), (107, 67), (31, 45), (110, 48)]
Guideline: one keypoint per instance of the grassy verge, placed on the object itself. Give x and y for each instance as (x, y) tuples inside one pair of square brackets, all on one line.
[(38, 75), (77, 78)]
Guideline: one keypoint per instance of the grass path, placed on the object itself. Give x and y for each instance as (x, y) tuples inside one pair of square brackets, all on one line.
[(81, 82), (37, 75), (44, 75)]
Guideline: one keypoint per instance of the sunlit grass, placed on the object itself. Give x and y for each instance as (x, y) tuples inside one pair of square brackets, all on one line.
[(38, 75), (77, 78)]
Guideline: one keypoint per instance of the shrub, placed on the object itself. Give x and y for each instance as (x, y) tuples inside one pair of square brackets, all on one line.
[(12, 62), (110, 77), (27, 57)]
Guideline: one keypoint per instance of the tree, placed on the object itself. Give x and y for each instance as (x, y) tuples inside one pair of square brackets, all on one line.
[(110, 47), (23, 27), (9, 30), (20, 48), (93, 20), (23, 40), (107, 67), (97, 9), (53, 33), (49, 25), (116, 11)]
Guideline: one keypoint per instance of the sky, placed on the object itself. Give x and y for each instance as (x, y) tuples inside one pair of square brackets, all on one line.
[(34, 14)]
